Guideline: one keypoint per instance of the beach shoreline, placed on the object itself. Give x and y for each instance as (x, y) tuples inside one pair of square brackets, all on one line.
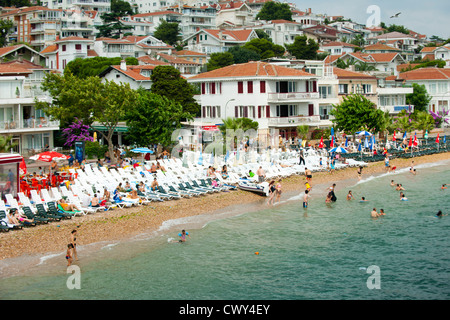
[(117, 225)]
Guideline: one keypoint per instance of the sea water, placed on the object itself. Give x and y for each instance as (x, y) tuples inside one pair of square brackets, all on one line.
[(327, 251)]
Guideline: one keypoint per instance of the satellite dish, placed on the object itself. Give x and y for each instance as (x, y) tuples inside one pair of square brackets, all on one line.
[(149, 51)]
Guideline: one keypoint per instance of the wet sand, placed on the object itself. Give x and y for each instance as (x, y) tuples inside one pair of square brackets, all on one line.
[(121, 224)]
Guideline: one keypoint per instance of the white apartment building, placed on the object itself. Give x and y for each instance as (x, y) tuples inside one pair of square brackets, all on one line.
[(276, 97), (20, 82)]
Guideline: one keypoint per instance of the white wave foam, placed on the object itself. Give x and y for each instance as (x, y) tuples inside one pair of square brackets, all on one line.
[(47, 257)]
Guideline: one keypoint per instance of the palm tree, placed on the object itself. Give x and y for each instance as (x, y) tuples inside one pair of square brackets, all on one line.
[(364, 66), (6, 145), (231, 126), (424, 121)]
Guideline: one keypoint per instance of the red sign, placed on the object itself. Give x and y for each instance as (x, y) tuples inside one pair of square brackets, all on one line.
[(210, 128)]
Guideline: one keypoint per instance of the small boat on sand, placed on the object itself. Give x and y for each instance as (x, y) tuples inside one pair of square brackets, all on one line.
[(252, 186)]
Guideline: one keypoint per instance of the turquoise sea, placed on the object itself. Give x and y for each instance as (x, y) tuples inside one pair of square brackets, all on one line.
[(323, 252)]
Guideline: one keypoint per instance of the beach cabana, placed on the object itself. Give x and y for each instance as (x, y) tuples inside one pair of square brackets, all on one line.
[(9, 173)]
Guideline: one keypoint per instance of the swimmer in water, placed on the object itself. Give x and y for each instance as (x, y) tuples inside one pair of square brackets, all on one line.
[(350, 195), (363, 199), (374, 213), (183, 235), (402, 196), (444, 186), (382, 212), (392, 183)]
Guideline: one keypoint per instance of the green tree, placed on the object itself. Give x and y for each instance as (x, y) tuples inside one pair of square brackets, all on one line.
[(111, 27), (88, 99), (364, 66), (263, 35), (356, 113), (5, 143), (265, 48), (397, 28), (167, 82), (424, 121), (232, 125), (168, 32), (88, 67), (153, 119), (219, 60), (275, 11), (303, 48), (121, 8), (243, 55), (302, 131), (5, 27), (419, 98)]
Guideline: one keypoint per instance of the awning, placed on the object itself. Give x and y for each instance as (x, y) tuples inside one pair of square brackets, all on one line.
[(103, 128)]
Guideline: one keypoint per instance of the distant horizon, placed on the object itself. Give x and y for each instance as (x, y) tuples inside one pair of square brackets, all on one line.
[(430, 19)]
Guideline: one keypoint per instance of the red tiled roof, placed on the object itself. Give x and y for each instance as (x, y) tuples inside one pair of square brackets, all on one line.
[(338, 44), (6, 50), (426, 74), (50, 48), (428, 49), (379, 46), (151, 61), (347, 74), (236, 35), (7, 69), (132, 72), (253, 69), (156, 13), (175, 60), (189, 53)]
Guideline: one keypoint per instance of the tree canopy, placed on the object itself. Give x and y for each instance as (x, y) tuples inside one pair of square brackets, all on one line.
[(88, 99), (153, 119), (89, 67), (167, 82), (356, 113), (265, 48), (168, 32), (219, 60), (303, 48), (419, 98), (275, 11)]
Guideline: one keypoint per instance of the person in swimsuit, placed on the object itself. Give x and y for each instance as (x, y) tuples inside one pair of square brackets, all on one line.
[(73, 242), (272, 192), (374, 213), (305, 199), (350, 195), (360, 173), (183, 235), (308, 175), (69, 257), (278, 187)]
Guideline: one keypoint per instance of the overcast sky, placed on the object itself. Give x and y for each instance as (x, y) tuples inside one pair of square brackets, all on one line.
[(430, 17)]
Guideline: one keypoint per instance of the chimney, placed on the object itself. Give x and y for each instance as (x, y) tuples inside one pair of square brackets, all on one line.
[(123, 65)]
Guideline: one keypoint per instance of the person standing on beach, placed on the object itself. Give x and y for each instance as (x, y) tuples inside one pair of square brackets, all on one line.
[(69, 254), (360, 173), (278, 187), (308, 175), (302, 159), (272, 192), (73, 242), (261, 174), (333, 196)]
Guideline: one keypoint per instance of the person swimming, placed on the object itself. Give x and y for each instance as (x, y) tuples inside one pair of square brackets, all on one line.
[(403, 197), (305, 199), (183, 235)]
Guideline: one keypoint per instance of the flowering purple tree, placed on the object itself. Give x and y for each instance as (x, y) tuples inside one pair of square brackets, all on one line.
[(439, 117), (77, 131)]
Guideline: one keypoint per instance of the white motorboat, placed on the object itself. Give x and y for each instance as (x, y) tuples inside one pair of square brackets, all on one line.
[(248, 185)]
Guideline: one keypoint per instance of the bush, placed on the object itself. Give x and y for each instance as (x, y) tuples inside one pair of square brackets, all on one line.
[(95, 150)]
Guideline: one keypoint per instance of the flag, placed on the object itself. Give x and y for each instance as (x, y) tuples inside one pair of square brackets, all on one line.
[(321, 142), (415, 140), (332, 142), (410, 141), (23, 167), (394, 138), (444, 140), (437, 139), (404, 136), (346, 142)]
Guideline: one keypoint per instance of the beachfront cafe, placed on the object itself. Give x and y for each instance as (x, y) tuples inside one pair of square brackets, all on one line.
[(9, 173)]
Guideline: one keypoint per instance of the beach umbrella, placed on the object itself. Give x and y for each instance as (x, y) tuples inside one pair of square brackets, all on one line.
[(346, 142), (437, 138), (371, 143), (410, 141), (332, 131), (426, 134), (404, 136), (444, 140), (393, 137), (332, 142), (360, 147), (415, 143), (49, 156), (366, 143), (363, 133), (338, 149)]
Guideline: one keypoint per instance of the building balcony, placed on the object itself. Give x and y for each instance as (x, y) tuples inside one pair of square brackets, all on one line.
[(294, 121), (396, 108), (29, 125), (292, 96)]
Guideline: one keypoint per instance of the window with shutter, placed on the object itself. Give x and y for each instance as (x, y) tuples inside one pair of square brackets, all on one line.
[(240, 87)]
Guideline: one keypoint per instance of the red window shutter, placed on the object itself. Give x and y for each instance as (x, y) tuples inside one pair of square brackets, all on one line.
[(253, 115), (213, 112), (307, 86), (203, 88), (262, 87), (310, 109), (213, 88), (259, 112), (236, 112), (250, 86), (314, 86), (204, 112), (245, 112), (267, 111), (240, 87)]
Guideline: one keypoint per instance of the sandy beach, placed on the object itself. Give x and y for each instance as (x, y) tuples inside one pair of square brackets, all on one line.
[(119, 224)]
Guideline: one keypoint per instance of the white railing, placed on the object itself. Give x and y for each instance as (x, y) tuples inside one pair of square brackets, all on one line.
[(29, 124), (294, 120), (293, 96)]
